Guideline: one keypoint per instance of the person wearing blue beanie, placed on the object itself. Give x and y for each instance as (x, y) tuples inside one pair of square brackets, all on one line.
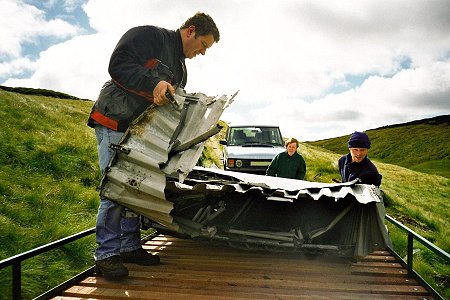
[(356, 164), (359, 140)]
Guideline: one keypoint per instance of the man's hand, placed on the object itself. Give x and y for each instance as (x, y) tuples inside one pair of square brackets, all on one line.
[(159, 93)]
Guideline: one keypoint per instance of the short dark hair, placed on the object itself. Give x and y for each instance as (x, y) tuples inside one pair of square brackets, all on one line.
[(290, 141), (204, 25)]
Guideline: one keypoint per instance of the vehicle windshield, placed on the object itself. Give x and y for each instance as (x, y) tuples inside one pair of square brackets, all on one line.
[(241, 136)]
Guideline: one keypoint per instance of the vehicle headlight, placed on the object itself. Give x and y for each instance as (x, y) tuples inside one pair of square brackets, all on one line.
[(238, 163)]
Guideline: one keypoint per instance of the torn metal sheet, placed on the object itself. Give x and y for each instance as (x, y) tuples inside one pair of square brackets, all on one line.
[(152, 172), (261, 212)]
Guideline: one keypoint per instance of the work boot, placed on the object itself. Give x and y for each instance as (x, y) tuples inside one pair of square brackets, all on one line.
[(140, 257), (111, 268)]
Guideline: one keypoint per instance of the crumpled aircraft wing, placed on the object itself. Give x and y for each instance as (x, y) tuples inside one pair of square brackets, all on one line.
[(153, 173)]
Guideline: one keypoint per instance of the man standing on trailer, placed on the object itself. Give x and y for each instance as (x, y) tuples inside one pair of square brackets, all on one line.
[(147, 62)]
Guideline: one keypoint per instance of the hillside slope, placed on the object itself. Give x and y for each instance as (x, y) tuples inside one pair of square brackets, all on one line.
[(422, 145), (48, 176)]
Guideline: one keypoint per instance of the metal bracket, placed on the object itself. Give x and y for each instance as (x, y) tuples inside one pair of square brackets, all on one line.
[(120, 148)]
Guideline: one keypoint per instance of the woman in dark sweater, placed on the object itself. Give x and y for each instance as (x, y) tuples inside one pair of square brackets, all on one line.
[(288, 164)]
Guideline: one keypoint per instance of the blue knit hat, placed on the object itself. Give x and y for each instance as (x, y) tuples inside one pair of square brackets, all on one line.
[(359, 140)]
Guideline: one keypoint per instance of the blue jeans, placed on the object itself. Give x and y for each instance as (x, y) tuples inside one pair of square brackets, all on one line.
[(115, 233)]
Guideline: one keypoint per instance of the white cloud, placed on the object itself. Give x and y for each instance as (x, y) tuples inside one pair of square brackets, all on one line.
[(21, 23), (294, 62), (72, 69), (410, 94), (17, 67)]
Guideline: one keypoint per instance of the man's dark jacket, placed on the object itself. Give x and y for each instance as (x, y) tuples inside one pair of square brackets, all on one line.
[(286, 166), (144, 56), (365, 170)]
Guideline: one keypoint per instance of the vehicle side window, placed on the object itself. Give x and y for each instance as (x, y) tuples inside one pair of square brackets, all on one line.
[(271, 136), (238, 137)]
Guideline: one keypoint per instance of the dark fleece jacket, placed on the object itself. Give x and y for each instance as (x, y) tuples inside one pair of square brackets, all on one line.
[(286, 166), (365, 170)]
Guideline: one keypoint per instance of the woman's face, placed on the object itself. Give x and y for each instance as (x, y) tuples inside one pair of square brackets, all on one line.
[(291, 148)]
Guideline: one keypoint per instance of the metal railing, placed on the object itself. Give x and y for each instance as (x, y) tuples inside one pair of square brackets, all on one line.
[(410, 251), (16, 261)]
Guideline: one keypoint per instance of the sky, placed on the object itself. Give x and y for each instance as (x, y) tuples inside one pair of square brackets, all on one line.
[(318, 69)]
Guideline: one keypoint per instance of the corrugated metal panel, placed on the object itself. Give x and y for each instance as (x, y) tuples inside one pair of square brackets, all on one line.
[(136, 177), (294, 189)]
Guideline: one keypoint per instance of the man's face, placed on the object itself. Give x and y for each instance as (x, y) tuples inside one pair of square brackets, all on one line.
[(291, 148), (196, 45), (358, 154)]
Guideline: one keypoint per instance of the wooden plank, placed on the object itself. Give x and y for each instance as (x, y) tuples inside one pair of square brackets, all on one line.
[(385, 258), (378, 264), (356, 270), (380, 252), (204, 293), (252, 286), (67, 298)]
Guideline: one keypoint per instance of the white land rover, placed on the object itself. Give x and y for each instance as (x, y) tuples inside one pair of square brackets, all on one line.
[(251, 148)]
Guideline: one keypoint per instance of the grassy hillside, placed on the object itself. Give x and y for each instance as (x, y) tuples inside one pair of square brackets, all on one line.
[(422, 145), (49, 171), (48, 175)]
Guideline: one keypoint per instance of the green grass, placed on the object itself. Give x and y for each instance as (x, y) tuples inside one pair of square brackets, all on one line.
[(321, 165), (49, 172), (422, 146), (48, 175), (421, 202), (212, 153)]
